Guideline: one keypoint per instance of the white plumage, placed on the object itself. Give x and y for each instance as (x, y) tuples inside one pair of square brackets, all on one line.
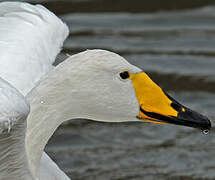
[(30, 39), (13, 113), (86, 85)]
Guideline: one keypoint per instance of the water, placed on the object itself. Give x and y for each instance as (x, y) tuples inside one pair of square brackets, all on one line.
[(177, 49)]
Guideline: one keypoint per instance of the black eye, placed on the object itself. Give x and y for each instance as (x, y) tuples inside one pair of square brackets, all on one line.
[(124, 75)]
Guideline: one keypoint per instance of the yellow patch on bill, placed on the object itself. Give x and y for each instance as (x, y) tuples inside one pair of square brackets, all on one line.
[(150, 96)]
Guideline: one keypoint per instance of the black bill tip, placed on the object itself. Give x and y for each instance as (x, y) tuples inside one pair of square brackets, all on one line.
[(186, 117), (194, 119)]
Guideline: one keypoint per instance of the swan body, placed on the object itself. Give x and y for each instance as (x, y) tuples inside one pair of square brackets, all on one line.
[(30, 39), (94, 84), (13, 113)]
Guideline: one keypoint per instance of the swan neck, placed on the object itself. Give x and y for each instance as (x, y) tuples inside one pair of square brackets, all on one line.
[(39, 131), (53, 101)]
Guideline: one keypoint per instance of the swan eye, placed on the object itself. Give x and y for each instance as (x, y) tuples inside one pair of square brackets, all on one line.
[(124, 75)]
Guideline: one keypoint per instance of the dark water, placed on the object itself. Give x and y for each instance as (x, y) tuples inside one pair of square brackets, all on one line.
[(134, 6), (177, 49)]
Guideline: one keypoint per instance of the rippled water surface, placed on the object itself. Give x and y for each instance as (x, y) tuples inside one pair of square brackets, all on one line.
[(177, 49)]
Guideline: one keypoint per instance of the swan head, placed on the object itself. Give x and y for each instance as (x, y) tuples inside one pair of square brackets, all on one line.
[(102, 86)]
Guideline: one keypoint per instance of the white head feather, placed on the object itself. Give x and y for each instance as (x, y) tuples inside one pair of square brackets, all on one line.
[(86, 85)]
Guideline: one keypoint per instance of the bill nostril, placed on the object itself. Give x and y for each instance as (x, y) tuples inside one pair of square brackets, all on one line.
[(176, 106)]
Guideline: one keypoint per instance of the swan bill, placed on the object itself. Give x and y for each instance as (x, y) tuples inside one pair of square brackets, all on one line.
[(156, 106)]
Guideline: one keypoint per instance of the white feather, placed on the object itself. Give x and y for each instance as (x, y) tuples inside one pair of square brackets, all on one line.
[(30, 39), (13, 113), (86, 85)]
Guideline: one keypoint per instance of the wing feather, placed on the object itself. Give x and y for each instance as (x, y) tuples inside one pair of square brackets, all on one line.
[(30, 39)]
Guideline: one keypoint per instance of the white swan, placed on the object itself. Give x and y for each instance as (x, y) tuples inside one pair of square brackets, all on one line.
[(95, 84)]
